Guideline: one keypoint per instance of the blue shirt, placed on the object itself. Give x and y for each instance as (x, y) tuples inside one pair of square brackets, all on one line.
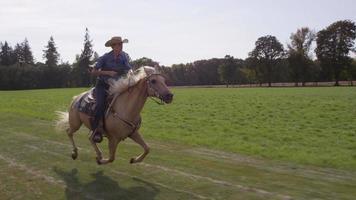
[(108, 62)]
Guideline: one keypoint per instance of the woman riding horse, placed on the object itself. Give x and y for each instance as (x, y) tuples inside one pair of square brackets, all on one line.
[(114, 63), (123, 119)]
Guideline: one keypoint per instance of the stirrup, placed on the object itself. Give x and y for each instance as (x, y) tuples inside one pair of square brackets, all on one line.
[(96, 136)]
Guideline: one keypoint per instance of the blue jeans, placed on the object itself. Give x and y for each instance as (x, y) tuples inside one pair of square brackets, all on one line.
[(100, 95)]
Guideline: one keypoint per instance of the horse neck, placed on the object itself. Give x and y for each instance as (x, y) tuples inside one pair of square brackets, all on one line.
[(130, 103)]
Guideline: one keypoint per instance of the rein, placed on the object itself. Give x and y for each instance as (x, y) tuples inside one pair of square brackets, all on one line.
[(158, 102), (134, 126)]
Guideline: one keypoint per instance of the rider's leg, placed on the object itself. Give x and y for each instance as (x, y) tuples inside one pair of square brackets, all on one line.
[(100, 93)]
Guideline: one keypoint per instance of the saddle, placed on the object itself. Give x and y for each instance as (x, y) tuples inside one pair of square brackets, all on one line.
[(87, 103)]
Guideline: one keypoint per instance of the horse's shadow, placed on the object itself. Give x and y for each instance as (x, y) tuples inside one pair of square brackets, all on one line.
[(104, 187)]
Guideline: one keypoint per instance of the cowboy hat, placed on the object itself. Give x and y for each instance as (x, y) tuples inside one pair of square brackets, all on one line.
[(115, 40)]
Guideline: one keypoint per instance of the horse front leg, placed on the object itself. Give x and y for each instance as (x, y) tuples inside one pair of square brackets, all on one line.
[(136, 136), (99, 154), (113, 142)]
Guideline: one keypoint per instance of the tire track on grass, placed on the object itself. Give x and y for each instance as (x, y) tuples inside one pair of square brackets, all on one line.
[(163, 185), (175, 171), (328, 174), (121, 173), (219, 182), (40, 175)]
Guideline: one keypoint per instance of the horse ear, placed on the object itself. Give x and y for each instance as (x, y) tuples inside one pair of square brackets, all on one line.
[(148, 70), (157, 68), (92, 65)]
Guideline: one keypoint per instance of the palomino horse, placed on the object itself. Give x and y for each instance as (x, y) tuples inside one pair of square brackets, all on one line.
[(123, 118)]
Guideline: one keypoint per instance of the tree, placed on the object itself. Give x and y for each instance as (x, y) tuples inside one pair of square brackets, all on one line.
[(18, 53), (23, 53), (87, 52), (95, 57), (333, 46), (298, 54), (27, 53), (80, 71), (249, 75), (50, 72), (253, 72), (206, 71), (144, 62), (227, 71), (268, 50), (351, 70), (50, 54), (7, 56)]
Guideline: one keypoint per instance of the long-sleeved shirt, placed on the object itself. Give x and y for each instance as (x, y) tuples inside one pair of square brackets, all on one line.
[(108, 62)]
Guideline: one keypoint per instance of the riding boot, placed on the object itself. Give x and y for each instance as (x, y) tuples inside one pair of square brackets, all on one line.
[(95, 134)]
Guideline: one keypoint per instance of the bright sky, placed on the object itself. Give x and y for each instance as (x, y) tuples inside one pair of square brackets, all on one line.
[(170, 32)]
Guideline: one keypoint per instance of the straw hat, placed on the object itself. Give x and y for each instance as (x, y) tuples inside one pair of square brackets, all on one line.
[(115, 40)]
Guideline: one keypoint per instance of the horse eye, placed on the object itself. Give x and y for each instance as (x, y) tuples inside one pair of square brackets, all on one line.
[(153, 81)]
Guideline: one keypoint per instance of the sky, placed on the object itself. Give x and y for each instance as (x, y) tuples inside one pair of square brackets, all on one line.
[(170, 32)]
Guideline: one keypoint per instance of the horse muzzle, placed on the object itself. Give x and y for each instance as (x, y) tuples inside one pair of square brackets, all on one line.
[(167, 98)]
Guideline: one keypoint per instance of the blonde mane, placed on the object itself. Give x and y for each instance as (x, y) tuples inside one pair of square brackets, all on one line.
[(131, 79)]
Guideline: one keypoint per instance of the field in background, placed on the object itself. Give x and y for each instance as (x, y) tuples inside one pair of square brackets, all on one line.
[(216, 143), (282, 84)]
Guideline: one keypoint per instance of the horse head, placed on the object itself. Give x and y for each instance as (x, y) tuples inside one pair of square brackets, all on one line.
[(157, 87), (148, 76)]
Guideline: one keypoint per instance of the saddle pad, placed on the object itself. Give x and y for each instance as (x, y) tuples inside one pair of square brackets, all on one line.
[(86, 103)]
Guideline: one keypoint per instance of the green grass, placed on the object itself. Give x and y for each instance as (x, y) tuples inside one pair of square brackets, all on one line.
[(256, 143), (303, 125)]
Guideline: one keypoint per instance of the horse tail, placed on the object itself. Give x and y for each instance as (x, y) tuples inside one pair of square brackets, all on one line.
[(62, 122)]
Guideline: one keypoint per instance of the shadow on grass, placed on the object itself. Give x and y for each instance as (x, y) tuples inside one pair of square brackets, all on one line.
[(104, 187)]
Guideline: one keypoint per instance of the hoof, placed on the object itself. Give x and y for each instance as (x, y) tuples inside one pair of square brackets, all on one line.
[(98, 161), (132, 160), (74, 156)]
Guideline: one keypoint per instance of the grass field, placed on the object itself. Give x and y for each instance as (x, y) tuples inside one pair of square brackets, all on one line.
[(253, 143)]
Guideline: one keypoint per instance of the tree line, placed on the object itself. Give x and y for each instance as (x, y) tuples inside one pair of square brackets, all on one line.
[(19, 71), (268, 62)]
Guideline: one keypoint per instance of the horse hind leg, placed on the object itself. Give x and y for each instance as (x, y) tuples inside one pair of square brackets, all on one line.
[(74, 125), (70, 134)]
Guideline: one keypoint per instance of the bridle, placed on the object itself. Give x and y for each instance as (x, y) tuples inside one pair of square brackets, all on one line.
[(156, 95)]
